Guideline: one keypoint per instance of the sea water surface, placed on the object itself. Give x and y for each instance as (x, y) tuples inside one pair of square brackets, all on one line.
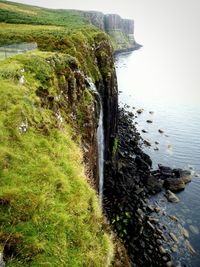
[(176, 110)]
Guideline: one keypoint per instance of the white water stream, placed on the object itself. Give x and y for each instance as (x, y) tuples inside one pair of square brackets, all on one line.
[(100, 142)]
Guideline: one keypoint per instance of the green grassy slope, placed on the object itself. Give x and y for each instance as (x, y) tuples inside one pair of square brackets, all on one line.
[(25, 14), (49, 215)]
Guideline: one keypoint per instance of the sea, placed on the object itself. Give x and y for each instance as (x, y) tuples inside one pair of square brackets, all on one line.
[(171, 100)]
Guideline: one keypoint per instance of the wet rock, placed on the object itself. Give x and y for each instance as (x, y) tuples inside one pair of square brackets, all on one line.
[(166, 171), (150, 208), (157, 209), (154, 185), (186, 176), (149, 121), (162, 250), (150, 225), (173, 237), (147, 143), (183, 231), (174, 249), (156, 142), (194, 229), (171, 197), (153, 220), (169, 264), (139, 111), (131, 114), (139, 190), (160, 131), (173, 218), (144, 131), (189, 247), (174, 184)]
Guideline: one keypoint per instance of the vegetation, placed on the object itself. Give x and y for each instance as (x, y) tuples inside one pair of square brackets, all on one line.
[(24, 14), (49, 213), (119, 40)]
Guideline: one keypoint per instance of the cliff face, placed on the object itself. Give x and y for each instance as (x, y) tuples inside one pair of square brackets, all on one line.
[(120, 30)]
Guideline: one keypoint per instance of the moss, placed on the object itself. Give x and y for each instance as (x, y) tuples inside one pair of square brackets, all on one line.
[(49, 212), (115, 147)]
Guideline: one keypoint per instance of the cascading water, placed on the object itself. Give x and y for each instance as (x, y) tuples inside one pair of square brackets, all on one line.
[(100, 141)]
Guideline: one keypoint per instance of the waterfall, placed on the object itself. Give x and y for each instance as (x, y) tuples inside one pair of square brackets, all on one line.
[(100, 141)]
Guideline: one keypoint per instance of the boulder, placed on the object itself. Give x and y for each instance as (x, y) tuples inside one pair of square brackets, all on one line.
[(166, 171), (149, 121), (153, 184), (160, 131), (186, 176), (139, 111), (171, 197), (174, 184)]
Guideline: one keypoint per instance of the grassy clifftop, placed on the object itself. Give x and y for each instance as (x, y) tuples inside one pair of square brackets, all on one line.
[(49, 213), (25, 14)]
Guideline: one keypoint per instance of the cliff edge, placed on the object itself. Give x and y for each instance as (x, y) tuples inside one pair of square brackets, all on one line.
[(120, 30)]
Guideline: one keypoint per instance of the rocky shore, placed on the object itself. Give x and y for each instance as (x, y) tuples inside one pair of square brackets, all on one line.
[(129, 186)]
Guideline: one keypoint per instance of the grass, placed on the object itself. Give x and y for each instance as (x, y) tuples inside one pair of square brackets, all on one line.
[(25, 14), (49, 214)]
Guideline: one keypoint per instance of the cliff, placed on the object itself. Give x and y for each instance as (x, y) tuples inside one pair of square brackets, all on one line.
[(48, 161), (120, 30)]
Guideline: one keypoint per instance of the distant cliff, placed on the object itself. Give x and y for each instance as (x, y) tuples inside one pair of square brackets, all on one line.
[(120, 30)]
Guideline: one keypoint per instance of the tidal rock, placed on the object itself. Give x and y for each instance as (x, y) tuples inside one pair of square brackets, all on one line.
[(150, 208), (131, 114), (153, 220), (173, 237), (174, 184), (194, 229), (139, 111), (171, 197), (160, 131), (186, 176), (166, 171), (169, 264), (174, 249), (144, 131), (156, 142), (173, 218), (157, 209), (149, 121), (156, 148), (162, 250), (183, 231), (190, 248), (153, 184), (151, 112), (150, 225), (147, 143)]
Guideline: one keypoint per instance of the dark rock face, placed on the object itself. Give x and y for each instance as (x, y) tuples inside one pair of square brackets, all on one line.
[(129, 182), (114, 25), (125, 197)]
